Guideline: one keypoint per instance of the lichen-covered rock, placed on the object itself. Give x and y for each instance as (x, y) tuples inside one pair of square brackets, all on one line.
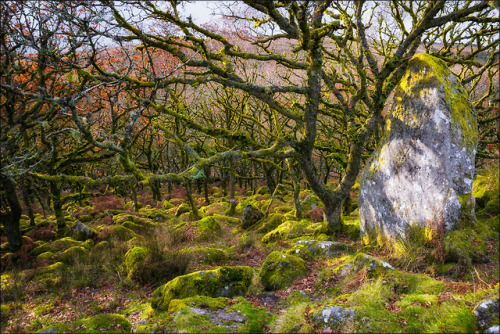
[(81, 232), (251, 215), (331, 317), (422, 171), (279, 270), (324, 248), (487, 312), (221, 282)]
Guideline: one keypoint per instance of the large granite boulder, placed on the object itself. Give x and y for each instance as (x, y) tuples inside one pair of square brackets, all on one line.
[(423, 169)]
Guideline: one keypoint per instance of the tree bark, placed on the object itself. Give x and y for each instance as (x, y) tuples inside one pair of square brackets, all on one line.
[(55, 194), (11, 223)]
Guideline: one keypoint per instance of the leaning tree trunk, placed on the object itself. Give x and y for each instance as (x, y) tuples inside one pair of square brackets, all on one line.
[(11, 222)]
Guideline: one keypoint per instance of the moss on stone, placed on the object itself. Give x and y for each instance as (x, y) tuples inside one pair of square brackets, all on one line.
[(279, 270), (73, 254), (272, 222), (104, 323), (134, 256), (122, 233), (166, 205), (206, 227), (221, 282), (294, 229), (209, 254), (56, 246), (45, 256), (183, 208)]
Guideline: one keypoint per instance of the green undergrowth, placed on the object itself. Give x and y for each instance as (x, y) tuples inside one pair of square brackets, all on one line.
[(428, 284)]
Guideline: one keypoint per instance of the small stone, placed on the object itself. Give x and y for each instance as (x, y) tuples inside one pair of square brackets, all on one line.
[(493, 330)]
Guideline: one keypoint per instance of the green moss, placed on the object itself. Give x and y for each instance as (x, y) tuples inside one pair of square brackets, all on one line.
[(279, 270), (272, 222), (104, 323), (462, 246), (208, 225), (301, 251), (154, 214), (73, 254), (45, 256), (56, 246), (183, 208), (209, 254), (221, 282), (294, 229), (133, 256), (227, 219), (167, 205), (292, 321), (122, 233)]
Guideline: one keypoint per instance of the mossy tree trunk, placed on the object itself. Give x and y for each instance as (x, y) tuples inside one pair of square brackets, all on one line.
[(192, 204), (206, 180), (13, 216), (28, 199), (232, 200), (55, 195)]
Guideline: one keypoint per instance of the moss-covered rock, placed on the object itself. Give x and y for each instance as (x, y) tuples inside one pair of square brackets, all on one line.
[(104, 323), (73, 254), (221, 282), (183, 208), (56, 246), (324, 248), (122, 233), (209, 254), (81, 232), (311, 202), (133, 256), (279, 270), (251, 215), (294, 229), (166, 205), (157, 215), (203, 314), (272, 222), (206, 227), (374, 266), (331, 316), (487, 311), (301, 251), (45, 256)]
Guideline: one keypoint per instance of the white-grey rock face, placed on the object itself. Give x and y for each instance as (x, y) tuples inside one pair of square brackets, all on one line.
[(422, 171), (331, 316)]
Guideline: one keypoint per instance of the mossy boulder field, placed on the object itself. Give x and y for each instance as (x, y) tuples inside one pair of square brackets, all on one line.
[(249, 167)]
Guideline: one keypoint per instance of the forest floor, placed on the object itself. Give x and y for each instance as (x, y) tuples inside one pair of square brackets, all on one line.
[(45, 287)]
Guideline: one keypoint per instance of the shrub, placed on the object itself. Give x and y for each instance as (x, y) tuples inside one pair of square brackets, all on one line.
[(164, 261)]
